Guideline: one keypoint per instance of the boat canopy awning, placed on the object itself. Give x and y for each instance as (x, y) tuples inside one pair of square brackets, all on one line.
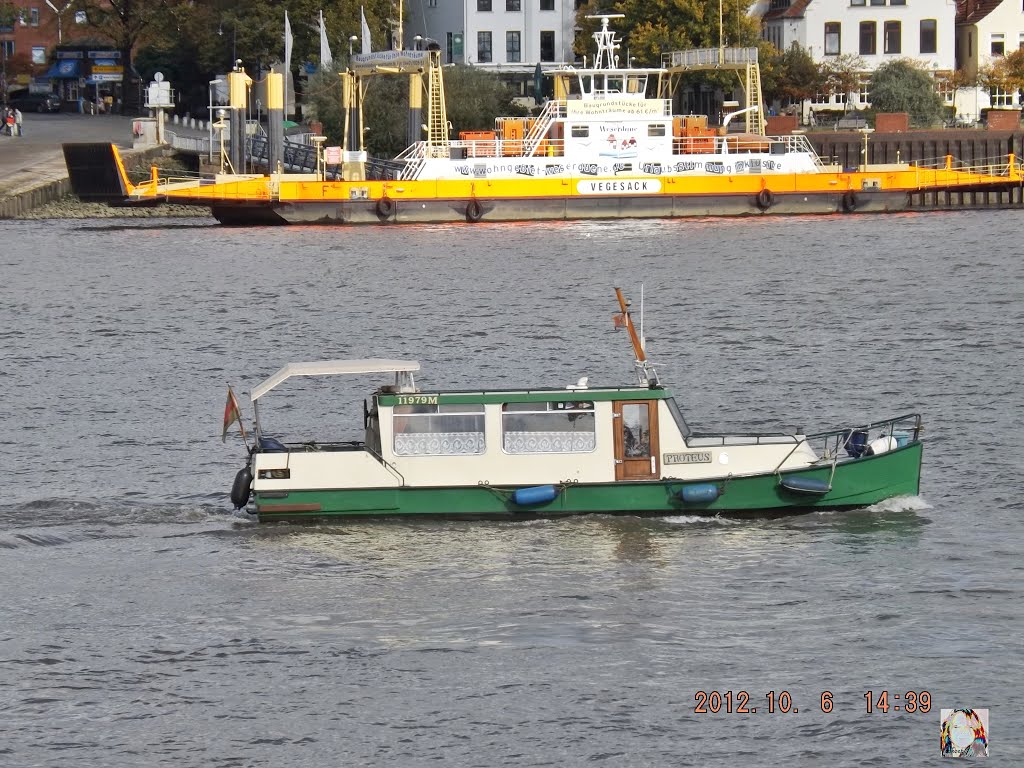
[(333, 368), (65, 69)]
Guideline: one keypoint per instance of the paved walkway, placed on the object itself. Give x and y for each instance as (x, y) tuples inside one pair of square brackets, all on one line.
[(36, 158)]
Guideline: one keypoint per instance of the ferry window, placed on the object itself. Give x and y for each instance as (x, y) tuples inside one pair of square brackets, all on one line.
[(892, 36), (438, 430), (513, 5), (656, 129), (559, 427), (547, 45), (483, 5), (929, 36), (833, 41), (636, 84), (580, 131), (867, 38), (636, 430), (614, 85), (547, 5), (483, 47)]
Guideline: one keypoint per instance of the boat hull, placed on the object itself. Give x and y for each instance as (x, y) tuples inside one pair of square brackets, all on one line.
[(855, 483), (432, 211)]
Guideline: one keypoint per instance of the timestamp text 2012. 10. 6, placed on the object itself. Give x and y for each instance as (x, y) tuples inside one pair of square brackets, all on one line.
[(738, 702)]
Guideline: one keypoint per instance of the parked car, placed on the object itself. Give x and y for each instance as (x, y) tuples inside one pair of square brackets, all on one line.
[(34, 102)]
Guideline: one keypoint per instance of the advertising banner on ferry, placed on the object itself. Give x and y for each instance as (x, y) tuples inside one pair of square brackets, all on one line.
[(636, 107)]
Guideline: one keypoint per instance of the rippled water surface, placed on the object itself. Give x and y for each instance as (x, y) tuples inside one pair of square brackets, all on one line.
[(144, 624)]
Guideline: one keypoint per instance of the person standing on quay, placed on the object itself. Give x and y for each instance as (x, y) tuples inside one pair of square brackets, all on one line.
[(17, 121)]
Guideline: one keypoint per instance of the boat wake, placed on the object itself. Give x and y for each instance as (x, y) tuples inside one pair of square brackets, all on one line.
[(700, 520)]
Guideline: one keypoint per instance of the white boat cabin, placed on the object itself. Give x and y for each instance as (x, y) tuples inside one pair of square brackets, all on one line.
[(509, 438)]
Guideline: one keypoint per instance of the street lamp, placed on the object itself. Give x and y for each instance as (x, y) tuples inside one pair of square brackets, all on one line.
[(209, 115), (59, 12)]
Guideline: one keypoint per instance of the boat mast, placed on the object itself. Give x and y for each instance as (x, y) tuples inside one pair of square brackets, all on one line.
[(645, 371)]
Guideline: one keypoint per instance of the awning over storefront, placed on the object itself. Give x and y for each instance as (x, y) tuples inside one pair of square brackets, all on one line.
[(65, 69)]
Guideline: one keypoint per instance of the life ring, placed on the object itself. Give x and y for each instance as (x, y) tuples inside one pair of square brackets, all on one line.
[(850, 201), (474, 212), (385, 207), (765, 199)]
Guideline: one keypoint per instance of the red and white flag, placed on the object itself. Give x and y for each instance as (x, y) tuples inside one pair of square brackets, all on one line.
[(232, 413)]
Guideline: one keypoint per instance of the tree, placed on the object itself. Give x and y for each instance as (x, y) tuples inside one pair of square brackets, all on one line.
[(842, 75), (793, 76), (473, 97), (904, 86), (653, 27), (1005, 73)]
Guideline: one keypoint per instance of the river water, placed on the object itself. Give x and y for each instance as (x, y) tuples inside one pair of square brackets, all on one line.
[(145, 624)]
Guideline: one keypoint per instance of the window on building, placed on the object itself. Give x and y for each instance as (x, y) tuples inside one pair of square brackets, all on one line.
[(432, 3), (483, 47), (38, 54), (1020, 44), (513, 5), (833, 43), (945, 89), (999, 97), (892, 34), (7, 48), (998, 44), (548, 427), (33, 17), (929, 36), (547, 46), (438, 430), (867, 38), (513, 46), (483, 5), (862, 90), (547, 5)]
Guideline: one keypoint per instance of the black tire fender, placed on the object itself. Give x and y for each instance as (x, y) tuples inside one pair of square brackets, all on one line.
[(473, 211), (385, 207), (765, 199), (850, 201)]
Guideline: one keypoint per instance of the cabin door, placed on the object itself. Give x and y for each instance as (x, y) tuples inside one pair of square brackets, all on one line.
[(636, 440)]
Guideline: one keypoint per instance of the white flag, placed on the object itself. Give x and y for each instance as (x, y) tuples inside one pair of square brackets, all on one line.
[(287, 43), (366, 31), (325, 49)]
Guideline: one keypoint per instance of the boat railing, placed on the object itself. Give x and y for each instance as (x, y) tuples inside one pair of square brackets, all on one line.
[(999, 165), (854, 441), (709, 57)]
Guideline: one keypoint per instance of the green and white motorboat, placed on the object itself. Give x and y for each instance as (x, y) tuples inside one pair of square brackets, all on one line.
[(549, 452)]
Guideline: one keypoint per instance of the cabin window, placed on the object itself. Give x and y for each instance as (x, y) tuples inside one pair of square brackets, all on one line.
[(559, 427), (656, 129), (614, 85), (580, 131), (636, 84), (438, 430)]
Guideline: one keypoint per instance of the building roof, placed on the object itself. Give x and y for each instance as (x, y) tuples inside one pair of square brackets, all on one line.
[(794, 11), (973, 11)]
